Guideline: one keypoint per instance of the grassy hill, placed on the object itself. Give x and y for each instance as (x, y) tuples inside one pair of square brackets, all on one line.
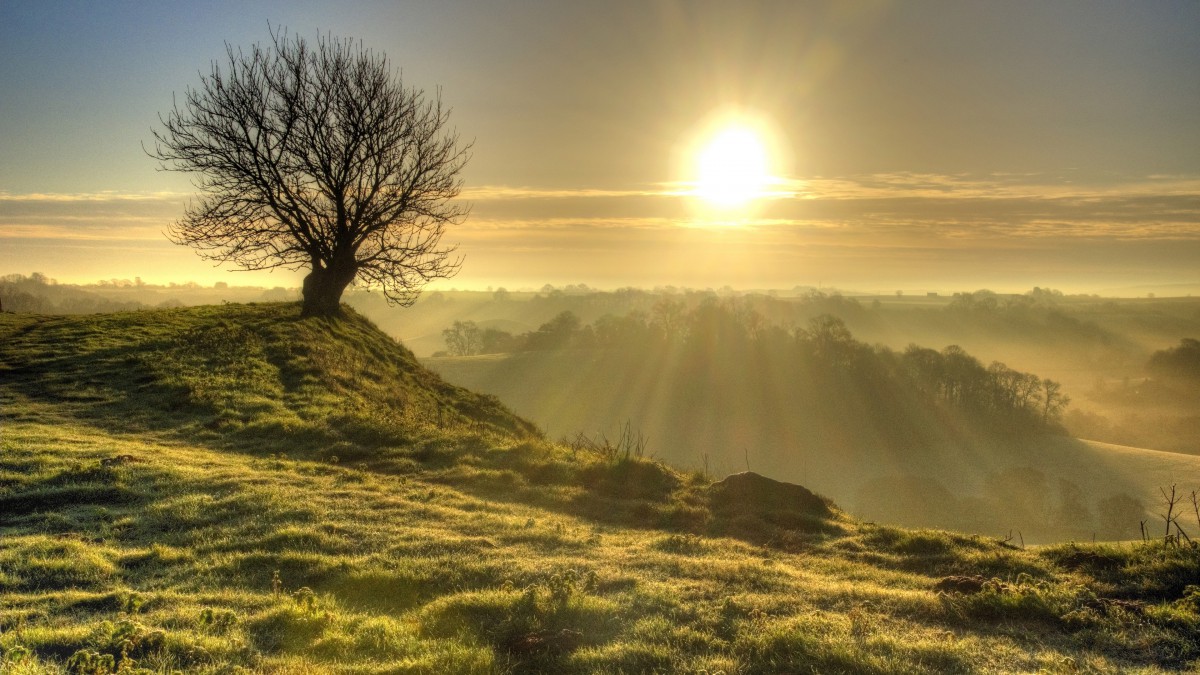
[(234, 489)]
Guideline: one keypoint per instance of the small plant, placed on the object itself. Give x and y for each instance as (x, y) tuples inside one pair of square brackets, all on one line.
[(307, 599), (629, 444), (683, 544), (17, 654), (91, 662), (1190, 600), (1171, 518), (1196, 507), (276, 584), (861, 623), (218, 621), (132, 603)]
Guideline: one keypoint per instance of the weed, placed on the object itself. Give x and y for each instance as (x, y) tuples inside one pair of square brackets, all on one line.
[(684, 544), (132, 603), (91, 662), (306, 599), (629, 444), (219, 622)]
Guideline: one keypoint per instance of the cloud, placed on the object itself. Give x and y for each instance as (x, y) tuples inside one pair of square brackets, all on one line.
[(1000, 205), (105, 196), (102, 216), (852, 229)]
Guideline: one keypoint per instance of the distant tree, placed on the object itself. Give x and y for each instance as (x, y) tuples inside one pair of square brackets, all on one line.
[(555, 333), (964, 376), (317, 156), (979, 301), (1179, 362), (925, 368), (1053, 401), (668, 315), (712, 329), (831, 340), (1044, 296), (496, 341), (1013, 390), (463, 338), (626, 331)]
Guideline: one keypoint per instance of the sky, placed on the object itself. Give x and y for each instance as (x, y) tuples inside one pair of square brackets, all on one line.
[(933, 145)]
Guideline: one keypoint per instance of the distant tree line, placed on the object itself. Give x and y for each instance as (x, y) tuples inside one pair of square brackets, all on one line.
[(1179, 363), (732, 331), (466, 338), (40, 294), (1156, 411), (1042, 316)]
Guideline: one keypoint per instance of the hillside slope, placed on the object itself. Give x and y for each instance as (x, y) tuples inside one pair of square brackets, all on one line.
[(149, 518), (243, 374), (874, 449)]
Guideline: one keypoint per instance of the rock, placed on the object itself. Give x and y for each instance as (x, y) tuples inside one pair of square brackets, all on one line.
[(565, 640), (961, 584), (118, 460), (751, 493)]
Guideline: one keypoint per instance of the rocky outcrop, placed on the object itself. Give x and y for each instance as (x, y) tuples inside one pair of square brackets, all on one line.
[(750, 493)]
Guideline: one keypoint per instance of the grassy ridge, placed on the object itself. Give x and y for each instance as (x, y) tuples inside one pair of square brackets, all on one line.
[(243, 373), (169, 500)]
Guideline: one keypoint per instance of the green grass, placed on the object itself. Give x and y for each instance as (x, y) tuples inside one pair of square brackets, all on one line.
[(170, 501)]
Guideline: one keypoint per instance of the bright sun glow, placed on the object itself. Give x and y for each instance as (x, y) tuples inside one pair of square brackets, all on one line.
[(732, 168)]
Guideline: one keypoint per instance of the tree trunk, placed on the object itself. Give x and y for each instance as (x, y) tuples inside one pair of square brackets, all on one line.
[(323, 286)]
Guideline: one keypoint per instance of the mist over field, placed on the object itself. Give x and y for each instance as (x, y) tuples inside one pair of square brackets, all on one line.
[(1038, 415), (755, 382)]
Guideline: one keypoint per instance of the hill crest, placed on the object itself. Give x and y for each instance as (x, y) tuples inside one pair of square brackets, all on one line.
[(243, 372)]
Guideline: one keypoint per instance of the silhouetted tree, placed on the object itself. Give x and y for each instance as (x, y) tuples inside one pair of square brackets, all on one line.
[(463, 338), (496, 341), (1053, 401), (317, 156), (831, 340), (555, 333), (668, 315)]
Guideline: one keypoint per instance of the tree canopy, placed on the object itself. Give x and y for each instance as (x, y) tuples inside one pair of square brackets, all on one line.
[(317, 156)]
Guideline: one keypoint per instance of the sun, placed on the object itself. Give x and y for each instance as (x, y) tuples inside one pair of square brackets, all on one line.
[(732, 167)]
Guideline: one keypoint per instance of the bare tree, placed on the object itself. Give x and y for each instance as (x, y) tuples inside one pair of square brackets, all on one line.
[(463, 338), (1053, 401), (318, 157)]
